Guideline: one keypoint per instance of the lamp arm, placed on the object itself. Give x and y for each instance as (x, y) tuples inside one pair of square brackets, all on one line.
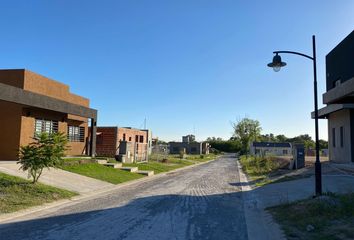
[(296, 53)]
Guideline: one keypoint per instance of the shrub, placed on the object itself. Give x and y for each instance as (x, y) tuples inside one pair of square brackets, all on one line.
[(258, 165), (46, 151)]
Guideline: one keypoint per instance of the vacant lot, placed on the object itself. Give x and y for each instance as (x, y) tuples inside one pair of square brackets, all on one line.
[(259, 169), (17, 193), (327, 217)]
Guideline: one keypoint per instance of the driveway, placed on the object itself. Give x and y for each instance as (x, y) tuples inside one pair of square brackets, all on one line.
[(59, 178), (197, 203)]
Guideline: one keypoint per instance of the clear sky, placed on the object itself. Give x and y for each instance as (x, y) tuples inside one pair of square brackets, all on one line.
[(188, 66)]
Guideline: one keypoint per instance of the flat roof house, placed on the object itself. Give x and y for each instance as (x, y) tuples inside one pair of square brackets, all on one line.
[(128, 144), (271, 148), (189, 145), (31, 103), (339, 98)]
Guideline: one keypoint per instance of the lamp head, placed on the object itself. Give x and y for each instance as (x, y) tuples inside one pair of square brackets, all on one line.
[(276, 64)]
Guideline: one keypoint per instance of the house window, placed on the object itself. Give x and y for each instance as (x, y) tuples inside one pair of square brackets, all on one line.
[(341, 136), (333, 137), (47, 126), (130, 139), (123, 136), (76, 134), (141, 139), (136, 138)]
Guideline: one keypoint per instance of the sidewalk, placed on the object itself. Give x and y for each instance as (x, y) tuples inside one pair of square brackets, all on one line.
[(256, 200), (59, 178)]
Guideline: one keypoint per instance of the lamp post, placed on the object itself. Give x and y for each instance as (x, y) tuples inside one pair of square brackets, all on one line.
[(277, 64)]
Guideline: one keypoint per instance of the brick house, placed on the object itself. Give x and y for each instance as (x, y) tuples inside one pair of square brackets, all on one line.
[(31, 103), (125, 143)]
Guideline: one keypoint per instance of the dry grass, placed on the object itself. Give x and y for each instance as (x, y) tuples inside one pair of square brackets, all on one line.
[(332, 217)]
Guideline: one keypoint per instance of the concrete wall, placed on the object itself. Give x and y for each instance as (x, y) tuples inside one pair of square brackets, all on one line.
[(276, 151), (336, 120), (191, 148), (205, 147)]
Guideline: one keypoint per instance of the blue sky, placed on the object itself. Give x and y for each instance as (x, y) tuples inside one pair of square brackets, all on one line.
[(187, 66)]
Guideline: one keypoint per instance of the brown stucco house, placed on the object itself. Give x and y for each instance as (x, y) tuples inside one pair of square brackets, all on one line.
[(31, 103)]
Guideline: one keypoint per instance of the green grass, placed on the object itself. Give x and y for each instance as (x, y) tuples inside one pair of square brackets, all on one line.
[(173, 162), (17, 193), (159, 167), (258, 169), (90, 169), (202, 158), (101, 172), (332, 217)]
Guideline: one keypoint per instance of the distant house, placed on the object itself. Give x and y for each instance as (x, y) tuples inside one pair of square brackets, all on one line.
[(125, 143), (271, 148), (339, 98), (31, 103), (189, 146)]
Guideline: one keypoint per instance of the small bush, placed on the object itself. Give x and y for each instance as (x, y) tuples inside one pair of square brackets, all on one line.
[(257, 165), (47, 151)]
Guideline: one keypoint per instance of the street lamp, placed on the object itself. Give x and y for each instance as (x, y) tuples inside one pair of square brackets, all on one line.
[(277, 64)]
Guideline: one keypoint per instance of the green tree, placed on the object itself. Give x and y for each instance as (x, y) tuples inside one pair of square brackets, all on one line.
[(246, 131), (281, 138), (226, 146), (323, 144), (46, 151)]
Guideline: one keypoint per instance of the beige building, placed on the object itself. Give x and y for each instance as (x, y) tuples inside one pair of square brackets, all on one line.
[(271, 148), (339, 99)]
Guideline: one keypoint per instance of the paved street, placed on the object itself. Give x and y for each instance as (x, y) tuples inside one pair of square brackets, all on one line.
[(203, 202)]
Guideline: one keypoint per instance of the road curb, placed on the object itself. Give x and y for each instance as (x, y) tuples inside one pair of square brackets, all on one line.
[(260, 223), (54, 206)]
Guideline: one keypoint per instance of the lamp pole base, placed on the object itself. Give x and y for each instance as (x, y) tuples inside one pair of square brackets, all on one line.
[(318, 178)]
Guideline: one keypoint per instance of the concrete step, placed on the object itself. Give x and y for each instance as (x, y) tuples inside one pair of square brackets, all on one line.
[(129, 169), (113, 165), (147, 173), (101, 161)]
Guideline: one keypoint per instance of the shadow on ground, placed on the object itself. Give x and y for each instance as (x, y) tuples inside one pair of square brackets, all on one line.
[(157, 217)]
